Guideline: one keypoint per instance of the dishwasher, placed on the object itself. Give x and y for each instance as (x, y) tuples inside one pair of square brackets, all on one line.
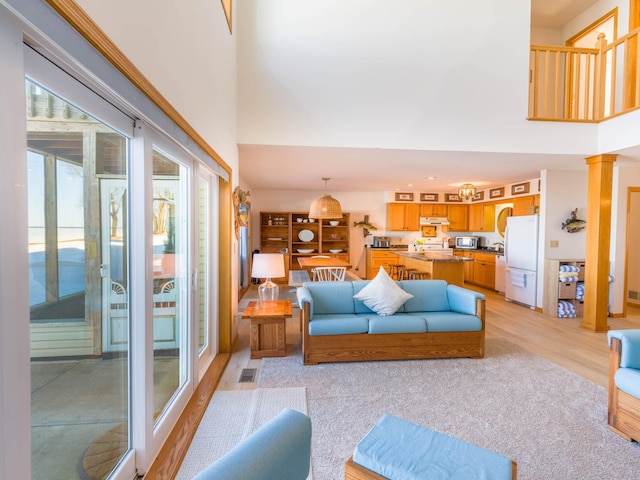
[(501, 265)]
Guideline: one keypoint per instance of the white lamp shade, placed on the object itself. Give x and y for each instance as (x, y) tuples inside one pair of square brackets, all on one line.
[(267, 265)]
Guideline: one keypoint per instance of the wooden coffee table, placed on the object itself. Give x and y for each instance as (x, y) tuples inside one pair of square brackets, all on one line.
[(268, 330)]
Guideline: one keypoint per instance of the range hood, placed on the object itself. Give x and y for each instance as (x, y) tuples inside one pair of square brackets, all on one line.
[(434, 221)]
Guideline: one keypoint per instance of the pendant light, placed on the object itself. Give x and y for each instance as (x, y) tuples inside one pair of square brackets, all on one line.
[(467, 191), (325, 206)]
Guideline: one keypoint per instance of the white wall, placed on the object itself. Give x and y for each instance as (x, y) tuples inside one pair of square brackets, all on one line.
[(364, 74), (564, 191), (186, 51)]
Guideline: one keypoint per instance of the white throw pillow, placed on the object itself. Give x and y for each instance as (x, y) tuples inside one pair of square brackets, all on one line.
[(382, 294)]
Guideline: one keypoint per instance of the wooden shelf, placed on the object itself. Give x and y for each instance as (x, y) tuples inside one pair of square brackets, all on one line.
[(326, 237), (555, 289)]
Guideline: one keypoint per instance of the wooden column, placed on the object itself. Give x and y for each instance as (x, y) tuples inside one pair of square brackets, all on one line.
[(596, 282)]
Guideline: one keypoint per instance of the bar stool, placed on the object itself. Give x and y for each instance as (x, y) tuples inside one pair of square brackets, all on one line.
[(403, 272), (393, 270), (419, 275)]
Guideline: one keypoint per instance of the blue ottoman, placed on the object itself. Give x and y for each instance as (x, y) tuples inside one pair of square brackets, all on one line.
[(396, 449)]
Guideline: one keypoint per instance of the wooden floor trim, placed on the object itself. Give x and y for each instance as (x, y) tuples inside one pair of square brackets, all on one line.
[(169, 459)]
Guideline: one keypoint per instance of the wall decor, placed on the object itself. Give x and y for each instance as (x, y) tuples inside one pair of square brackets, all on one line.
[(477, 197), (428, 197), (404, 197), (367, 227), (428, 231), (573, 224), (452, 197), (496, 192), (226, 6), (242, 207), (520, 188)]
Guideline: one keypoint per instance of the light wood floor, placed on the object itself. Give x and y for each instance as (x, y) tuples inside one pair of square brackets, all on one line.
[(559, 340)]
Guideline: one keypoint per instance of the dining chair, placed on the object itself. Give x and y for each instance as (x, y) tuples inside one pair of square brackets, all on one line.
[(330, 274), (313, 270)]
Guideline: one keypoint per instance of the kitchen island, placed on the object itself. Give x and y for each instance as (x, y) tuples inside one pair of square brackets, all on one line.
[(438, 265)]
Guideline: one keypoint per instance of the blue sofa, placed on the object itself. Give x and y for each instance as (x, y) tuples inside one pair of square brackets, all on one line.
[(624, 383), (440, 321), (279, 450)]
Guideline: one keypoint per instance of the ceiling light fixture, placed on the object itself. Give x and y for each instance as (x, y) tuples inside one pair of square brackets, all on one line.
[(466, 191), (325, 206)]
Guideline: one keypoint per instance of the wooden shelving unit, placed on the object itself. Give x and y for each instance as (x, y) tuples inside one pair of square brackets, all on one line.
[(556, 289), (281, 230)]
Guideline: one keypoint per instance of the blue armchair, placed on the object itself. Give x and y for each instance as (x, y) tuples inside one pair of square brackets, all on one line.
[(624, 383), (279, 450)]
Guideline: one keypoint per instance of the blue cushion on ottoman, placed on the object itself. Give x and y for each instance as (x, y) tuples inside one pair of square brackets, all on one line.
[(397, 449)]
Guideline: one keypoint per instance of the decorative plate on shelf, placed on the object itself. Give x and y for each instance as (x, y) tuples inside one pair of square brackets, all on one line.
[(305, 250), (305, 235), (335, 251)]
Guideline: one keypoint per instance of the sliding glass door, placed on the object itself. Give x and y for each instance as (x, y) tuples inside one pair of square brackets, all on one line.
[(78, 292)]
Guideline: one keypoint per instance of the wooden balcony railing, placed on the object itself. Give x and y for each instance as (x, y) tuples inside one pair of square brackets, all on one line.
[(585, 84)]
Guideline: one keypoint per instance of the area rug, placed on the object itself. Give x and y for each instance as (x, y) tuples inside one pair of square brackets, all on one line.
[(552, 422), (233, 415)]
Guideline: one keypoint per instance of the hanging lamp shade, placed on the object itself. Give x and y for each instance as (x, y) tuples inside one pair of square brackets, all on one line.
[(325, 206), (466, 191)]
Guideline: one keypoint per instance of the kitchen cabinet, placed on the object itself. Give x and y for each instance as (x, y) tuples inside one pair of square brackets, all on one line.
[(377, 258), (468, 266), (458, 216), (524, 205), (482, 217), (403, 217), (433, 210), (484, 270)]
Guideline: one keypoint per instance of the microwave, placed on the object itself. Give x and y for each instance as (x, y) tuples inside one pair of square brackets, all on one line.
[(467, 242)]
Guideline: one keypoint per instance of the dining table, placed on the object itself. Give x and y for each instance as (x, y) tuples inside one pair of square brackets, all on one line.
[(308, 263)]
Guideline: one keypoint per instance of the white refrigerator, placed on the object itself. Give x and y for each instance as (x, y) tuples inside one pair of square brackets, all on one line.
[(521, 255)]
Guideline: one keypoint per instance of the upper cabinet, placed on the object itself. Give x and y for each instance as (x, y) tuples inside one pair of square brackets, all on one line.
[(524, 205), (433, 210), (482, 217), (458, 216), (403, 217)]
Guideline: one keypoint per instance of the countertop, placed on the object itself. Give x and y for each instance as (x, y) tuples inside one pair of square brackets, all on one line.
[(433, 257), (480, 250)]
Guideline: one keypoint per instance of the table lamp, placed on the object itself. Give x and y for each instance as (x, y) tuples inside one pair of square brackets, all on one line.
[(268, 266)]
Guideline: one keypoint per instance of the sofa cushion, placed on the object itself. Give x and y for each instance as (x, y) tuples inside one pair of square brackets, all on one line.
[(397, 323), (338, 324), (382, 294), (428, 295), (450, 322), (330, 297), (628, 380)]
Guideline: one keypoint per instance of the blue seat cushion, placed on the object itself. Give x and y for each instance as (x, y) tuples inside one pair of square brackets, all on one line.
[(397, 323), (628, 380), (428, 295), (450, 322), (338, 324), (395, 448)]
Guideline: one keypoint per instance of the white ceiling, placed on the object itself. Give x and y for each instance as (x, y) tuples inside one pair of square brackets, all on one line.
[(278, 167)]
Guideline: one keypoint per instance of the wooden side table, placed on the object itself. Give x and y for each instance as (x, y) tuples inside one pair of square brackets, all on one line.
[(268, 330)]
